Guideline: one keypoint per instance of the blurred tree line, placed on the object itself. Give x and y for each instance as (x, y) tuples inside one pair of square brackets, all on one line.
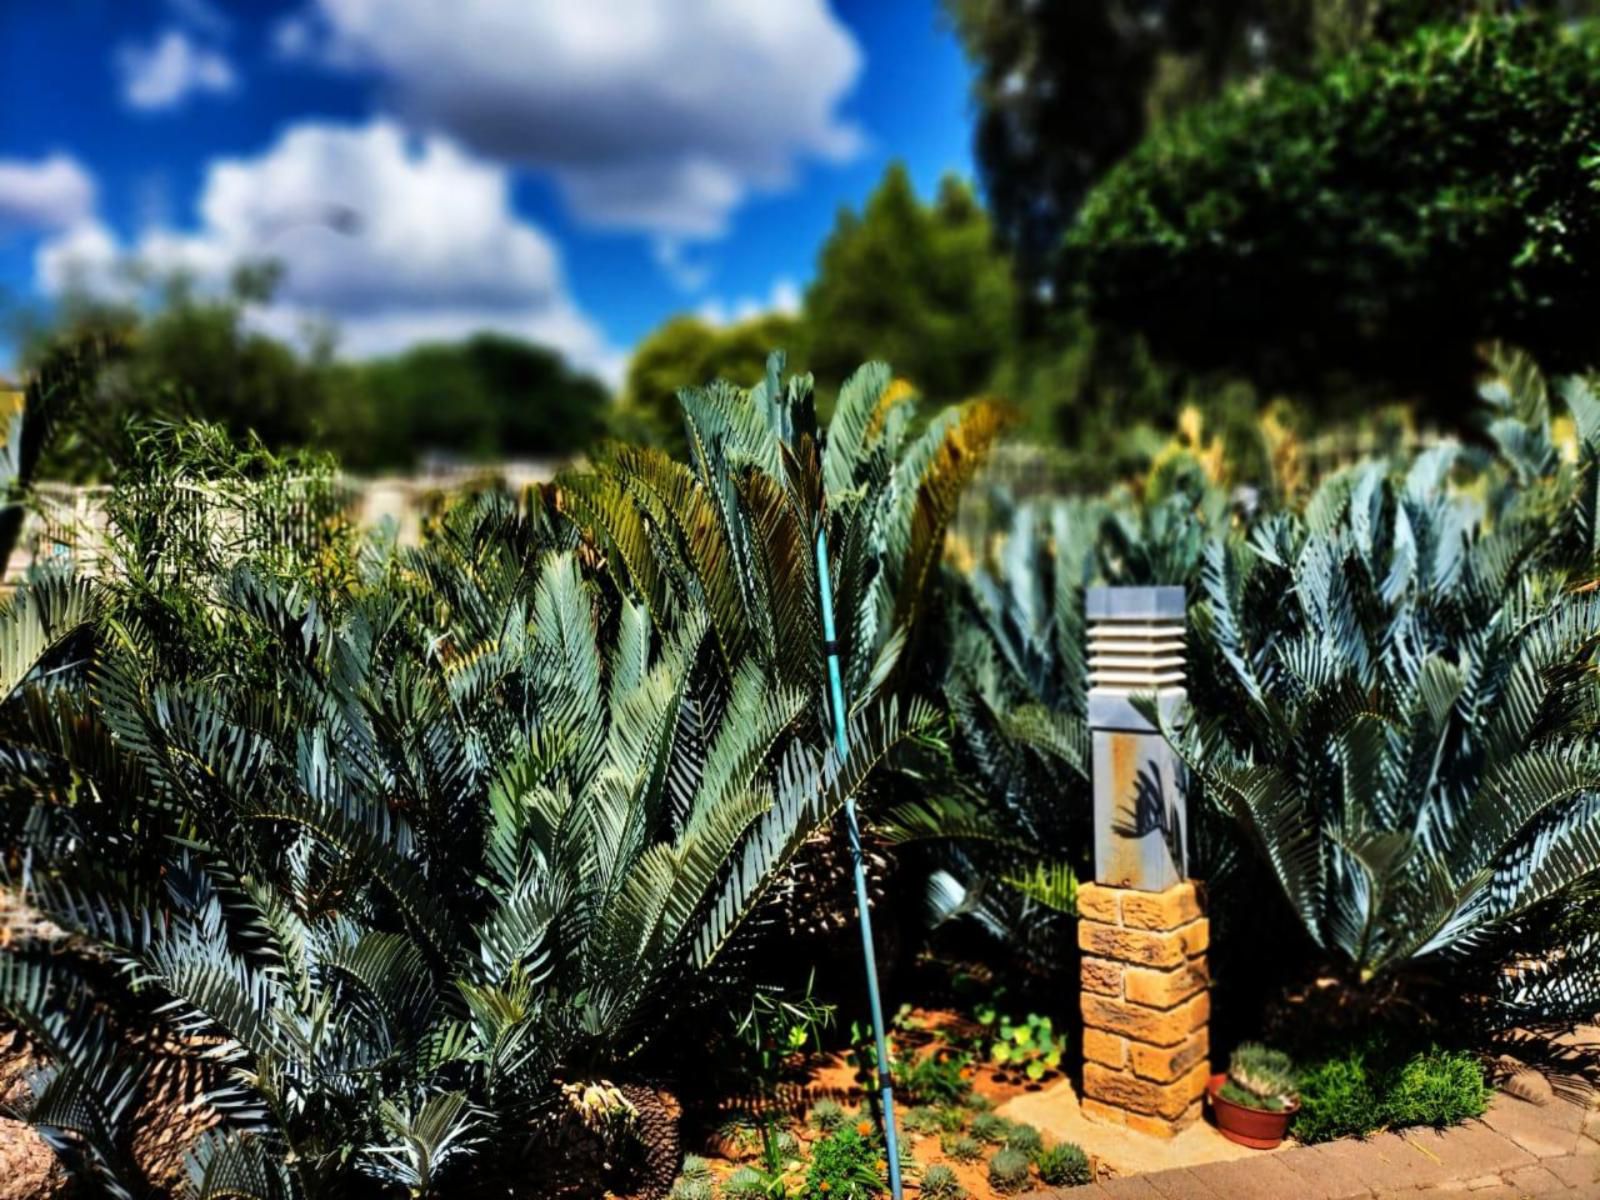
[(1319, 207), (196, 355)]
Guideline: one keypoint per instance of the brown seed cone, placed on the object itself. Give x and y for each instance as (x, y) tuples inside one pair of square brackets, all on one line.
[(659, 1136), (29, 1169), (816, 896), (172, 1117)]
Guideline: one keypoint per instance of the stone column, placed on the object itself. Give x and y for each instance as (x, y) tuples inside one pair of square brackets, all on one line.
[(1141, 925)]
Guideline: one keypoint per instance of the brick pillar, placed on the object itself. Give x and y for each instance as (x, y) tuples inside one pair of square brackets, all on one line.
[(1141, 927), (1145, 1006)]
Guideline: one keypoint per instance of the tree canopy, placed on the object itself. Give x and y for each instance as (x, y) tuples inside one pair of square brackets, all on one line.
[(917, 285), (1064, 91), (1375, 221)]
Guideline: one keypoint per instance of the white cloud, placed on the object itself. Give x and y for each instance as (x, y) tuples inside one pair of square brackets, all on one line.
[(52, 193), (656, 115), (783, 298), (172, 68), (397, 239)]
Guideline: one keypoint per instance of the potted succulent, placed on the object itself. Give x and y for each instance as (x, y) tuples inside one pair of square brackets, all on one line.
[(1256, 1099)]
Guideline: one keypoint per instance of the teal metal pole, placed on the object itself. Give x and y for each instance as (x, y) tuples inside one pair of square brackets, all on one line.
[(869, 951)]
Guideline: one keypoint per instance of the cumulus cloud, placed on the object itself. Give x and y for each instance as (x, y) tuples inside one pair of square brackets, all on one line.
[(171, 69), (783, 298), (51, 193), (397, 239), (655, 115)]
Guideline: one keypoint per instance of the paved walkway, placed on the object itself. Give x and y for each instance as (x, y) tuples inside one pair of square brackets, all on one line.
[(1517, 1150)]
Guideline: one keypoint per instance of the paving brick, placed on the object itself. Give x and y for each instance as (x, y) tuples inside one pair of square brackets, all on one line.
[(1161, 910), (1324, 1176), (1183, 1184), (1259, 1177), (1472, 1148), (1581, 1172), (1538, 1130), (1412, 1160), (1133, 1187), (1356, 1158), (1536, 1180)]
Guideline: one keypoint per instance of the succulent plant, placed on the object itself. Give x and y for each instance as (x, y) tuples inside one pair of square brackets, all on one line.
[(695, 1168), (962, 1147), (939, 1182), (1064, 1165), (692, 1189), (1266, 1074), (987, 1127), (744, 1184), (920, 1120), (951, 1119), (1024, 1137), (1008, 1171), (826, 1115)]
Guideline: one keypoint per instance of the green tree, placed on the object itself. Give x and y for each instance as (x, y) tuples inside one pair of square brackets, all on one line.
[(919, 285), (489, 396), (1375, 221), (688, 352), (1064, 91)]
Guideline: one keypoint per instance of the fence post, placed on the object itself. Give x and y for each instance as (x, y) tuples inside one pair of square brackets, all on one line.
[(1141, 928)]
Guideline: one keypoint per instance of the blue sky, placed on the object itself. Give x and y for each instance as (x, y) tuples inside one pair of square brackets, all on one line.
[(573, 170)]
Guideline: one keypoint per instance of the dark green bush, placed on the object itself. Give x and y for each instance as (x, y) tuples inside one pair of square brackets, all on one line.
[(1373, 1085), (1064, 1165), (1378, 218)]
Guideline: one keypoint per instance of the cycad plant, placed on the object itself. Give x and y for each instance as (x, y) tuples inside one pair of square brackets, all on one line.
[(469, 832), (735, 533), (1400, 711)]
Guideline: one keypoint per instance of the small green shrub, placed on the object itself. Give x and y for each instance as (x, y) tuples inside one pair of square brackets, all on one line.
[(987, 1127), (1438, 1088), (980, 1104), (1064, 1165), (939, 1182), (1008, 1171), (937, 1078), (695, 1168), (1231, 1090), (1373, 1085), (1023, 1137), (826, 1115), (693, 1189), (846, 1165), (962, 1147), (951, 1119), (746, 1183), (1337, 1099), (921, 1120)]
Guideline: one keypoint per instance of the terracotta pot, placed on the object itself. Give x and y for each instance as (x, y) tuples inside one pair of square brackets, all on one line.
[(1254, 1127)]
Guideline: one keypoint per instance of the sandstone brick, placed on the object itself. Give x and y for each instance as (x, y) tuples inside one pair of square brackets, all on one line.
[(1126, 1090), (1164, 1127), (1155, 1027), (1109, 1049), (1138, 946), (1102, 975), (1163, 989), (1161, 910), (1106, 1114), (1163, 1064), (1096, 902), (1195, 937)]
